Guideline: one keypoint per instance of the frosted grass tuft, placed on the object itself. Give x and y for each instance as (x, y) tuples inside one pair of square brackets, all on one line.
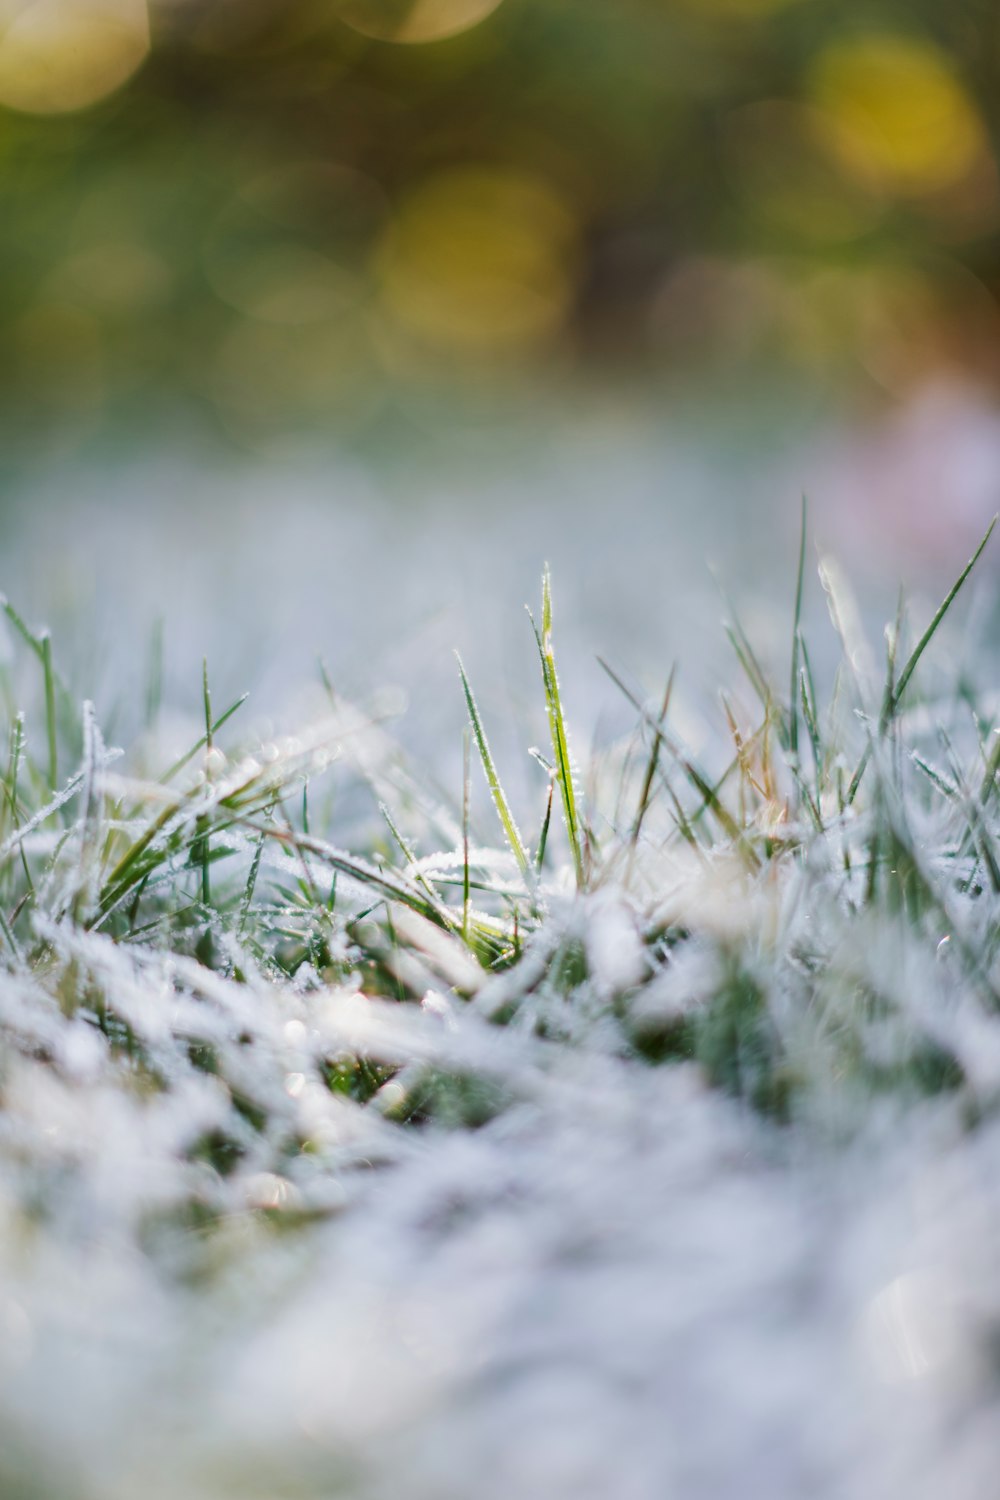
[(341, 1150)]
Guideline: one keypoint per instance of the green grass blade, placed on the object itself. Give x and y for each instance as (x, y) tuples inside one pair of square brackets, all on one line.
[(646, 793), (16, 839), (10, 939), (200, 850), (466, 789), (406, 849), (492, 779), (251, 885), (385, 883), (557, 731), (992, 767), (793, 697), (810, 718), (747, 659), (543, 837), (911, 665), (206, 698), (41, 645), (189, 755), (744, 652), (16, 753), (24, 631), (709, 794), (131, 867), (50, 710), (933, 775), (154, 687), (942, 610)]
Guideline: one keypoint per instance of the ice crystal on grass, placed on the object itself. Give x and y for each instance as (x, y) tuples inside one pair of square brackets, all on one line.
[(650, 1155)]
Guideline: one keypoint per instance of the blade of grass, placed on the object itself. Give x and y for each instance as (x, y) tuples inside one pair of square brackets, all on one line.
[(54, 805), (466, 788), (992, 767), (130, 866), (406, 849), (646, 793), (807, 690), (88, 877), (383, 882), (206, 697), (324, 677), (557, 730), (10, 939), (200, 850), (14, 765), (41, 644), (543, 837), (154, 689), (50, 709), (708, 793), (895, 698), (793, 697), (933, 775), (492, 779), (189, 755), (745, 654)]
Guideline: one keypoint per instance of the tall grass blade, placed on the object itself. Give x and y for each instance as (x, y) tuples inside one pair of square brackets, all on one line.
[(492, 779), (50, 710), (466, 789), (896, 696), (200, 850), (154, 688), (709, 794), (543, 837), (206, 740), (406, 849), (745, 654), (41, 645), (793, 696), (557, 731), (646, 793)]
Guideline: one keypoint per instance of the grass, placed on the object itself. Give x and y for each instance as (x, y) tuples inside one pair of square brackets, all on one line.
[(243, 982), (768, 904)]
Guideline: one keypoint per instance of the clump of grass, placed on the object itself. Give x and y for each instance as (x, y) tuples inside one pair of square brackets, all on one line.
[(808, 914)]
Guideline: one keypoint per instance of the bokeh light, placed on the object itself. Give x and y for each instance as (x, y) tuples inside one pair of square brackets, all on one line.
[(414, 20), (565, 192), (480, 260), (62, 55), (905, 117)]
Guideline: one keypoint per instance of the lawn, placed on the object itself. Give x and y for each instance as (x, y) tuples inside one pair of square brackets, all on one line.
[(631, 1137)]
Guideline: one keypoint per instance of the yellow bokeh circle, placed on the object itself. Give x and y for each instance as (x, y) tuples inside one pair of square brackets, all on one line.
[(414, 20), (904, 117), (61, 55), (479, 260)]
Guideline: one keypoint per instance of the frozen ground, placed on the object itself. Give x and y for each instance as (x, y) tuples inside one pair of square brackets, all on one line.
[(624, 1287)]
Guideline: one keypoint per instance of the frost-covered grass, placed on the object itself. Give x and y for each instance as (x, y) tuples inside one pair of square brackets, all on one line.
[(640, 1139)]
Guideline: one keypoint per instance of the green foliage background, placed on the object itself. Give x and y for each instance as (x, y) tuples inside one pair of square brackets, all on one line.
[(702, 198)]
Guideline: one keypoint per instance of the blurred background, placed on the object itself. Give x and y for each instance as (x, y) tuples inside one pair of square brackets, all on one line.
[(442, 286), (275, 217)]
